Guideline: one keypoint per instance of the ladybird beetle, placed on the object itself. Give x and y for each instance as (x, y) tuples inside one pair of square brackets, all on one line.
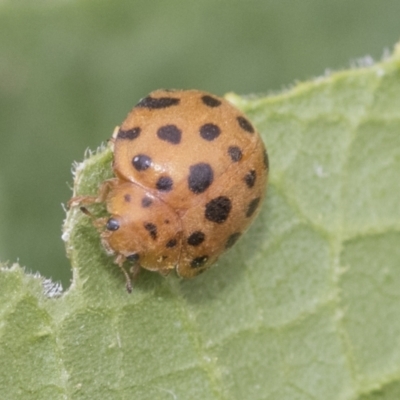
[(190, 175)]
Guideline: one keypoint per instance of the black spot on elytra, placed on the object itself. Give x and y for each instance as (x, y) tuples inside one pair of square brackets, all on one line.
[(210, 101), (146, 202), (141, 162), (129, 134), (209, 132), (171, 243), (196, 238), (265, 160), (112, 224), (200, 177), (235, 153), (245, 124), (198, 261), (170, 133), (127, 197), (252, 207), (218, 209), (250, 178), (133, 257), (232, 239), (157, 103), (164, 183), (152, 229)]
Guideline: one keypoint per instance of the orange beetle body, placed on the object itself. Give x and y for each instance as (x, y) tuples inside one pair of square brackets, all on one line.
[(190, 176)]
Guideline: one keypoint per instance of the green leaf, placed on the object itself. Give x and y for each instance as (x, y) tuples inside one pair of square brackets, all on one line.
[(305, 306)]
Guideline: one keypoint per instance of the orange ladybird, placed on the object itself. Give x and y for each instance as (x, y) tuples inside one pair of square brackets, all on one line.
[(190, 175)]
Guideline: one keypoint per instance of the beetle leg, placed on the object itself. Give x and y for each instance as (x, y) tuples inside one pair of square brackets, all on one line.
[(101, 197), (119, 260)]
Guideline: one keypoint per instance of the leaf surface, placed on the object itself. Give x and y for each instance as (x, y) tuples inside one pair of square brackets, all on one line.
[(305, 306)]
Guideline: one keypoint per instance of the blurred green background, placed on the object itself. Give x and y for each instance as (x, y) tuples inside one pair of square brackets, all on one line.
[(71, 70)]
